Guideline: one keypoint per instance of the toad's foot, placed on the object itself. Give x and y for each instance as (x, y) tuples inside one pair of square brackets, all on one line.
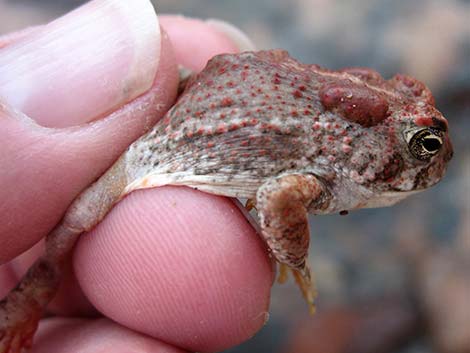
[(17, 326), (305, 282), (250, 205), (22, 309), (283, 273), (307, 286), (282, 204)]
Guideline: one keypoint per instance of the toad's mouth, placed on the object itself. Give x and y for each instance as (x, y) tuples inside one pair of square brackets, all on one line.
[(388, 198)]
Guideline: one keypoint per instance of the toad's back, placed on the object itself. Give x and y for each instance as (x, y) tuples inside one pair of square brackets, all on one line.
[(244, 118), (234, 123)]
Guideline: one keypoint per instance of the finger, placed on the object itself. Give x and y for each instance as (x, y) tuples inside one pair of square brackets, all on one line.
[(44, 169), (91, 336), (207, 38), (185, 267)]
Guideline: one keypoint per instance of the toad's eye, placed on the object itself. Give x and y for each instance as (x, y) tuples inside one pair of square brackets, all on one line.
[(424, 143)]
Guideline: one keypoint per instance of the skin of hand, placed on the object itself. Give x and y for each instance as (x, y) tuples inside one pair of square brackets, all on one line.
[(169, 269)]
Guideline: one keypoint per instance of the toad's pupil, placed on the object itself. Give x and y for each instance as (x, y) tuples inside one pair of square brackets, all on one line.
[(431, 144)]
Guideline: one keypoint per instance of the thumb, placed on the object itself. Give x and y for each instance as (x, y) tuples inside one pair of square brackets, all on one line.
[(104, 60), (83, 64)]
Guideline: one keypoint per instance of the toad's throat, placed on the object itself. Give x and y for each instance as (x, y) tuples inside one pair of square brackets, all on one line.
[(387, 198)]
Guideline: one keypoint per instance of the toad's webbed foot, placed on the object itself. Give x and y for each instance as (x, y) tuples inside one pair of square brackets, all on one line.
[(17, 331), (22, 309), (303, 278)]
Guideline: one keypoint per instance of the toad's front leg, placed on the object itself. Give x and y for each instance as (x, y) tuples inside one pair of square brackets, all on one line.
[(283, 205)]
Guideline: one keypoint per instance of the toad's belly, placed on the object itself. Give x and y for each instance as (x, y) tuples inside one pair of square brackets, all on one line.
[(239, 186)]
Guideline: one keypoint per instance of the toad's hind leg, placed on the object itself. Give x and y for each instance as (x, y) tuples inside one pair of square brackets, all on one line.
[(283, 204), (21, 310)]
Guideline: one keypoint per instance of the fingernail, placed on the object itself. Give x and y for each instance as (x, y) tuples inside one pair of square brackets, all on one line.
[(236, 35), (84, 64)]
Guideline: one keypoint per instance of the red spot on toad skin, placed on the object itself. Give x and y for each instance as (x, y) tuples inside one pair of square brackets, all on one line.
[(226, 102), (424, 121), (221, 128), (297, 94), (357, 103), (233, 127), (346, 148), (391, 169)]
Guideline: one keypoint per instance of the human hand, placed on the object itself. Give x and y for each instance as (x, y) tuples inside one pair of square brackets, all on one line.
[(166, 265)]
